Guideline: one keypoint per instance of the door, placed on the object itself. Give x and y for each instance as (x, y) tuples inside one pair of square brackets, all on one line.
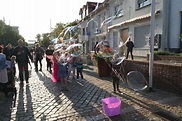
[(123, 38)]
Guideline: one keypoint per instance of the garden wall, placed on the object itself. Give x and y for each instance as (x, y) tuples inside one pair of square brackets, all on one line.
[(165, 77), (163, 57)]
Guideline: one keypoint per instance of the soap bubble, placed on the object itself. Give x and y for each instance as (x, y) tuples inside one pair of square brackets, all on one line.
[(136, 81), (173, 62)]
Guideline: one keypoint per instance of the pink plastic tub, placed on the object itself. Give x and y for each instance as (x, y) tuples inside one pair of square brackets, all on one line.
[(111, 106)]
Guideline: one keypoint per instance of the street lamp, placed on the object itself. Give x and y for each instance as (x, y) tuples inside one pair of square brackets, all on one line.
[(152, 30)]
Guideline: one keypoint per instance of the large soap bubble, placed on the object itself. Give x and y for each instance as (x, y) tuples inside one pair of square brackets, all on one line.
[(136, 81), (172, 62)]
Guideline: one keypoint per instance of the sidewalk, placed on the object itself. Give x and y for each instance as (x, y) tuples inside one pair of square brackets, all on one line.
[(43, 100)]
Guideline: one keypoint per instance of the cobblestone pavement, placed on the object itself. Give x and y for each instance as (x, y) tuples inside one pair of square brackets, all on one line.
[(43, 100)]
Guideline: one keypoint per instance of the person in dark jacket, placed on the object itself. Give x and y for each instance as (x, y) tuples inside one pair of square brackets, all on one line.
[(115, 74), (39, 53), (8, 51), (129, 46), (22, 54), (49, 52)]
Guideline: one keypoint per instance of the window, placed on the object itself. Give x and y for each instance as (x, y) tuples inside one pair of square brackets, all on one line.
[(118, 10), (143, 3)]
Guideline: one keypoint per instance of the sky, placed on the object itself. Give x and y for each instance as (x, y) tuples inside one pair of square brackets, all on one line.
[(39, 16)]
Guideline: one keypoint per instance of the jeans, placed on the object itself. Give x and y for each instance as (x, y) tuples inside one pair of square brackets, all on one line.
[(23, 66), (79, 72)]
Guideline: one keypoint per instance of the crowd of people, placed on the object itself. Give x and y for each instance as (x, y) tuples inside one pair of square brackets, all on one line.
[(61, 63)]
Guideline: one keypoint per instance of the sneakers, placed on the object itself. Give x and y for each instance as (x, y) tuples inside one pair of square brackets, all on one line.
[(117, 90), (80, 79)]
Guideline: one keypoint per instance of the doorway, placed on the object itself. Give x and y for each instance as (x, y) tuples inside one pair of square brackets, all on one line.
[(122, 39)]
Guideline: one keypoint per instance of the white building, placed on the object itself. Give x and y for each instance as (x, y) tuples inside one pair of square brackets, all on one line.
[(133, 20)]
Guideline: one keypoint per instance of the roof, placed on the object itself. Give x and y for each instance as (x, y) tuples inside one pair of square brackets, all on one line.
[(90, 5)]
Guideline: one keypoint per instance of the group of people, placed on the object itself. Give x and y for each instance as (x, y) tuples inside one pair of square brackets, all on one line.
[(22, 56), (64, 65)]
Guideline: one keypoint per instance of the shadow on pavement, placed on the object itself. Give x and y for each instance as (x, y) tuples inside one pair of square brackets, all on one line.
[(83, 100), (6, 107), (24, 104)]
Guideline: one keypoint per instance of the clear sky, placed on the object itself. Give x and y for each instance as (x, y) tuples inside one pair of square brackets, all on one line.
[(38, 16)]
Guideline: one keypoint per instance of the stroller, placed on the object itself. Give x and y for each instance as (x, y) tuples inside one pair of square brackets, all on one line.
[(9, 88)]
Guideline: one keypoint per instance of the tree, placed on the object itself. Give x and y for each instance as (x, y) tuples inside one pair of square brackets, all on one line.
[(45, 41), (38, 36), (60, 27), (8, 35), (57, 30)]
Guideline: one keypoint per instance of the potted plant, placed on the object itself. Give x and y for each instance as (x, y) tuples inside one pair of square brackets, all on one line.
[(102, 59)]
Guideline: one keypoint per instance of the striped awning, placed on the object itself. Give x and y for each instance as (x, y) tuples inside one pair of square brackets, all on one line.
[(133, 20), (130, 20)]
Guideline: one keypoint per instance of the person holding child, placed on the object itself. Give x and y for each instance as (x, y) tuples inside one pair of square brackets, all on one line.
[(79, 67)]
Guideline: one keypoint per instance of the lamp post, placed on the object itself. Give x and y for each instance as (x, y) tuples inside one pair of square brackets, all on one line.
[(152, 30)]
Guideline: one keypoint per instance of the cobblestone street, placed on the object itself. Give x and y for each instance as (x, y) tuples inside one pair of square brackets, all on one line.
[(43, 100)]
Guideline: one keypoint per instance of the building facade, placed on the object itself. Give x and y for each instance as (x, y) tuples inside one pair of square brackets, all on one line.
[(131, 19)]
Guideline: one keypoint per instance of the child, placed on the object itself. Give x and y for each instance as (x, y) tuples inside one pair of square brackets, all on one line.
[(62, 73), (71, 66), (115, 73), (13, 61), (79, 67)]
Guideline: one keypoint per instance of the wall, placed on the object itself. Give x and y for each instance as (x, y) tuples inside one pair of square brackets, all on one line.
[(131, 11), (165, 77), (175, 23)]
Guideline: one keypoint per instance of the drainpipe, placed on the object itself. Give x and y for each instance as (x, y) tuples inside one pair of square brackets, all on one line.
[(152, 29), (166, 25)]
